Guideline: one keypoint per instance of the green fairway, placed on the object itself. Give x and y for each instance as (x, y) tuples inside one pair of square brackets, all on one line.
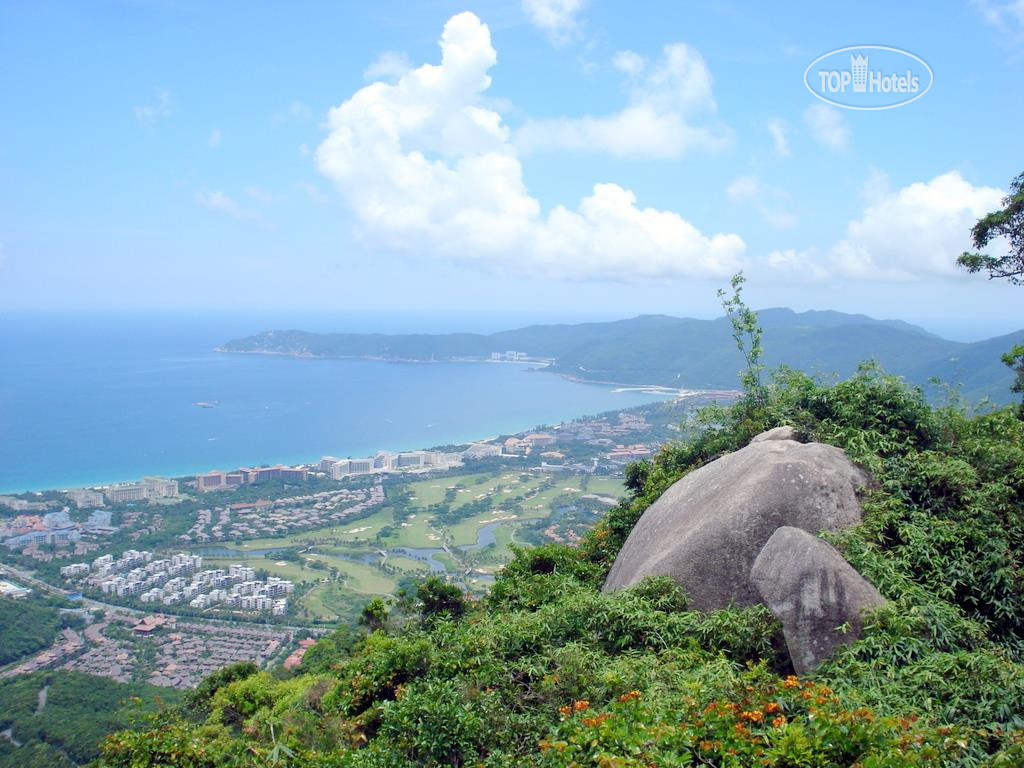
[(409, 565), (281, 568), (506, 499), (359, 577)]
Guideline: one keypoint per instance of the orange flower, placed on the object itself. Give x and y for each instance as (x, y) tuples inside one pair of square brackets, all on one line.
[(792, 681), (772, 707), (630, 696), (779, 721), (581, 705), (753, 716), (565, 711)]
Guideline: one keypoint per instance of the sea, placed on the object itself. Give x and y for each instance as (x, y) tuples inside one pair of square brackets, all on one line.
[(90, 399)]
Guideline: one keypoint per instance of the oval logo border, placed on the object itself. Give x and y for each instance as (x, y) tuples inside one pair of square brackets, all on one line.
[(931, 76)]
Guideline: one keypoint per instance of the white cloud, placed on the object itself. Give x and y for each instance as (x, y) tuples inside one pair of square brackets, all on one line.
[(222, 203), (215, 138), (916, 232), (558, 19), (389, 65), (743, 188), (629, 63), (428, 169), (797, 265), (769, 202), (1007, 16), (665, 100), (150, 113), (295, 111), (777, 128), (828, 127)]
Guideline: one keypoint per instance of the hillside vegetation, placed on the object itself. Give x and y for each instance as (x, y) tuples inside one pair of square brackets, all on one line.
[(30, 624), (64, 726), (687, 353), (549, 671)]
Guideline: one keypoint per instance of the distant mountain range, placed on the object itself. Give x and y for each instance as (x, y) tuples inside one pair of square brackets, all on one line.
[(684, 352)]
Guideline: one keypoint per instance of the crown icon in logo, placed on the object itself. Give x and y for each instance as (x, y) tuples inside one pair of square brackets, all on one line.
[(859, 65)]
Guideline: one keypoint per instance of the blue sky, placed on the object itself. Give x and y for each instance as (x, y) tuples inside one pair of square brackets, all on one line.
[(568, 158)]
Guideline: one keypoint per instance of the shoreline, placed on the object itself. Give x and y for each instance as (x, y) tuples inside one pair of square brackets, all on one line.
[(185, 470), (541, 364), (179, 474)]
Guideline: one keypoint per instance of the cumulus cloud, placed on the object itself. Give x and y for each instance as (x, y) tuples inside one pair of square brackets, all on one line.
[(150, 113), (389, 65), (428, 168), (797, 265), (629, 62), (222, 203), (558, 19), (828, 127), (669, 113), (915, 232), (769, 202), (777, 129)]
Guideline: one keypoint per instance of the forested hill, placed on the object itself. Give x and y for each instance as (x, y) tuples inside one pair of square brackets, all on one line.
[(685, 352)]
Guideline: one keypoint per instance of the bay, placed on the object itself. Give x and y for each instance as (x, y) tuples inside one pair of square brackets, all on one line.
[(92, 399)]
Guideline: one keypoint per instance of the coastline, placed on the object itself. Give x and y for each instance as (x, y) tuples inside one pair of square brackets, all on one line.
[(537, 364), (183, 472)]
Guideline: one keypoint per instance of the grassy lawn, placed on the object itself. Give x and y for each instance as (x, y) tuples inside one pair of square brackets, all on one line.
[(449, 562), (427, 492), (356, 530), (339, 600), (291, 571), (463, 533), (607, 486), (361, 577), (408, 565), (330, 601), (416, 532)]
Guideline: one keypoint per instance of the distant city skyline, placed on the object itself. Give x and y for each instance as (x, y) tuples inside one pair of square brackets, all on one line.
[(540, 159)]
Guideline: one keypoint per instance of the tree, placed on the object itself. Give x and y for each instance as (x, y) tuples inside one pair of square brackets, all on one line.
[(747, 333), (439, 600), (1014, 360), (637, 473), (1007, 222), (374, 615)]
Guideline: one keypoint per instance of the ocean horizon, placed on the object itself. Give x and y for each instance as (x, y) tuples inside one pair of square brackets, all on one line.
[(92, 399)]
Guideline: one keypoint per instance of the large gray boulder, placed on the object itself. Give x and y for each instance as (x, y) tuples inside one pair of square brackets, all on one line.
[(816, 595), (707, 529)]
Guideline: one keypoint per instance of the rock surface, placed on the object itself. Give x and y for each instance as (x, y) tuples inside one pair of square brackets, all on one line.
[(707, 529), (817, 596), (779, 433)]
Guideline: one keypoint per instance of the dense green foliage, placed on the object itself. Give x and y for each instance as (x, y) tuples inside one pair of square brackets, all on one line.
[(65, 726), (684, 352), (30, 624), (549, 671)]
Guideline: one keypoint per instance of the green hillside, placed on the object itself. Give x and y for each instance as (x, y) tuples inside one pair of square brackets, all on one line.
[(58, 719), (549, 671), (688, 353)]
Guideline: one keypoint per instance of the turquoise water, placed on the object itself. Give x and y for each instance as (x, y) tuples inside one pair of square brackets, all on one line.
[(94, 399)]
